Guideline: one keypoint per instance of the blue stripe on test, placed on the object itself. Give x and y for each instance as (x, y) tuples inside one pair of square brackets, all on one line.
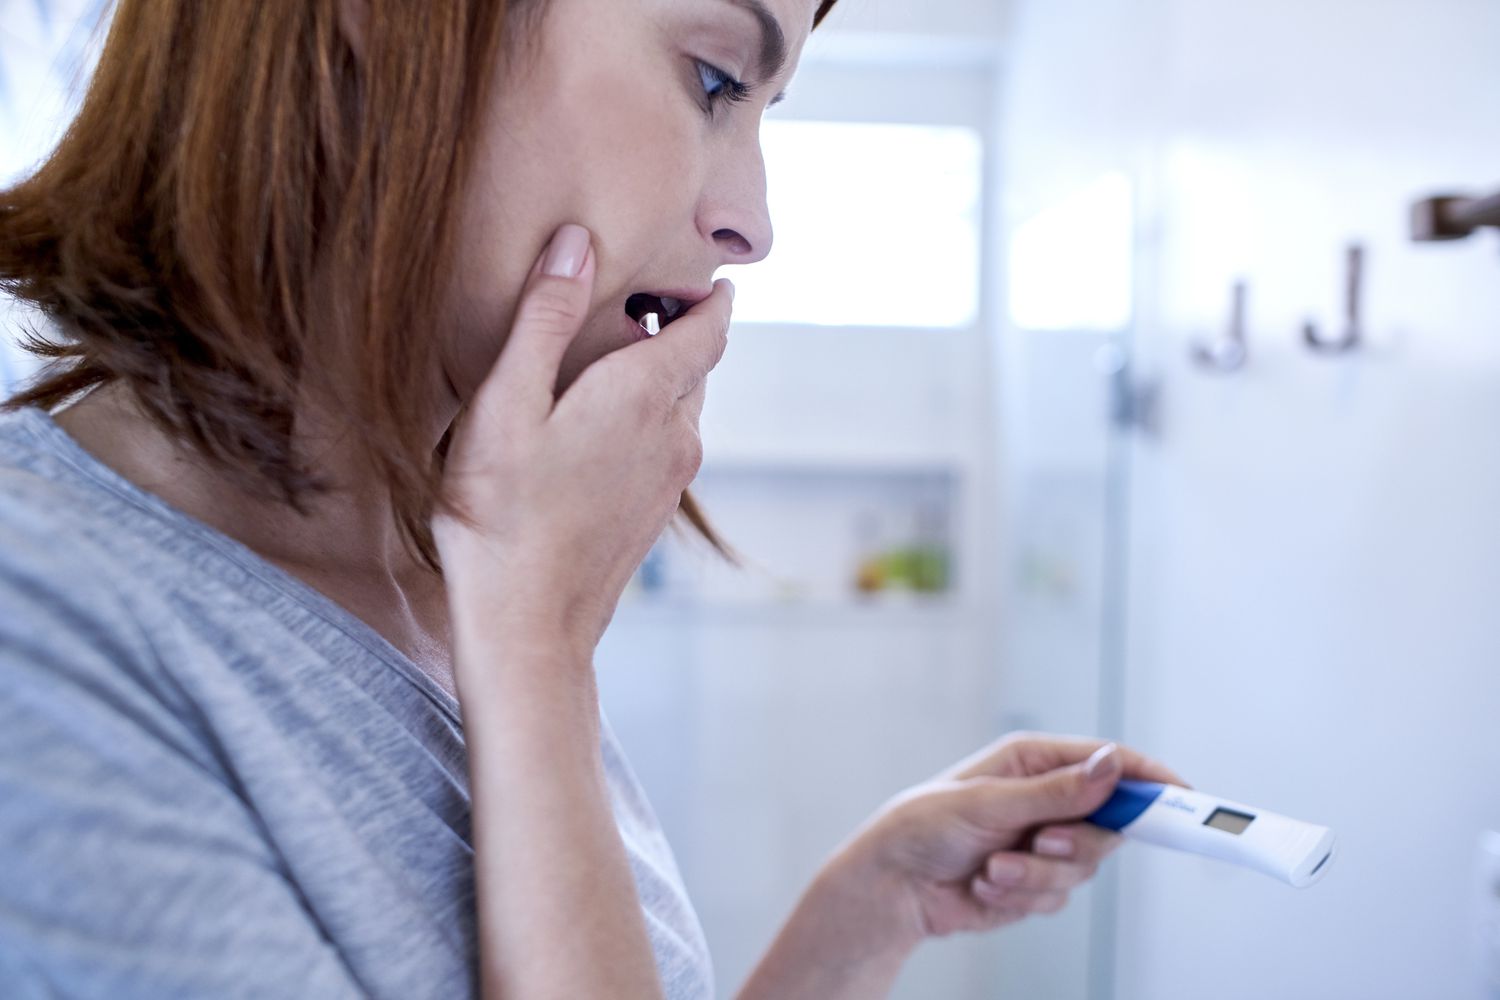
[(1127, 803)]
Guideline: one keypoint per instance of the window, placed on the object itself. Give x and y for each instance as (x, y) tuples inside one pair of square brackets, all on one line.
[(1071, 265), (876, 225)]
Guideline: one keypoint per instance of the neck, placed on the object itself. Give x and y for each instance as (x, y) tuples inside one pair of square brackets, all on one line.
[(349, 530)]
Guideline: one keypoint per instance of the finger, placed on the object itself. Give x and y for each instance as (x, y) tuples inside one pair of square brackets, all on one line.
[(991, 911), (1016, 871), (1022, 754), (689, 348), (1010, 902), (1081, 842), (551, 311), (1142, 768), (1067, 793)]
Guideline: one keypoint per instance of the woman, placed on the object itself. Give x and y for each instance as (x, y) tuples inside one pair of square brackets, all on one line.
[(298, 601)]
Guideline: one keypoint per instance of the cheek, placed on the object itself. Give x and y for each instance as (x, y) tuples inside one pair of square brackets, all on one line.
[(624, 157), (636, 160), (472, 342)]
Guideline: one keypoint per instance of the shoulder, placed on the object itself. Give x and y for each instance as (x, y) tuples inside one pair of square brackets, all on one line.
[(52, 516), (75, 604), (52, 541), (75, 538), (56, 565)]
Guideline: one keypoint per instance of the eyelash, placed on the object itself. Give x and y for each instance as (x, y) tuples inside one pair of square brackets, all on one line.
[(730, 90)]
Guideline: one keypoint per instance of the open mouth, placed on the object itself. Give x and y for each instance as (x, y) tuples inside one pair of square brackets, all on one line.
[(642, 304)]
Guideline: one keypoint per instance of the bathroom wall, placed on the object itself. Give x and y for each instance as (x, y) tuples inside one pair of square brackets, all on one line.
[(1311, 555)]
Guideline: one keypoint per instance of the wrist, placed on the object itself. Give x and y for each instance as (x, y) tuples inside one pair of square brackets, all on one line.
[(515, 611), (505, 658), (848, 937), (859, 881)]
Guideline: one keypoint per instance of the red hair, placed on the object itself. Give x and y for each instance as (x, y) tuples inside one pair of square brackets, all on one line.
[(235, 172)]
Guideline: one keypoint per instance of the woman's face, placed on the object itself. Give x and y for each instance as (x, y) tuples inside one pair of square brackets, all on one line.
[(617, 115)]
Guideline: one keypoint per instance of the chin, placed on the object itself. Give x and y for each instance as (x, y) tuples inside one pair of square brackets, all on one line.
[(593, 342)]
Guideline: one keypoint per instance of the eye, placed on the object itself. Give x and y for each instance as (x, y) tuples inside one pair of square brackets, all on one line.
[(720, 87)]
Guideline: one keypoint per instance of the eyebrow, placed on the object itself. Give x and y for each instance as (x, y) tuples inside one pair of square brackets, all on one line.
[(772, 39)]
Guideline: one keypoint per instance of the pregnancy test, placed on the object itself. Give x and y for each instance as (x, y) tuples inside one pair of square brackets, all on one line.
[(1288, 849)]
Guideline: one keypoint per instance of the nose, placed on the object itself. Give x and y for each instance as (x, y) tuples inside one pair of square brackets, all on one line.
[(733, 211)]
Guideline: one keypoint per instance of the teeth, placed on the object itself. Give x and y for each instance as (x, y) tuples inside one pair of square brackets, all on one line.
[(672, 307), (651, 324)]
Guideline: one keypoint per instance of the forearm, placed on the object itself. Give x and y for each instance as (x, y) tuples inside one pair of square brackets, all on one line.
[(558, 914), (842, 942)]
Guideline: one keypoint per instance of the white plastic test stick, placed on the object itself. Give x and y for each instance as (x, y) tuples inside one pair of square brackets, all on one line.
[(1295, 852)]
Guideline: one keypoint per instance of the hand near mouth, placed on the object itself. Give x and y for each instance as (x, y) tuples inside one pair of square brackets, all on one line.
[(531, 468), (558, 500)]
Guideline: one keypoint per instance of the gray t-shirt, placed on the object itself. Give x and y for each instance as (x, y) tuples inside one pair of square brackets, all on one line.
[(215, 782)]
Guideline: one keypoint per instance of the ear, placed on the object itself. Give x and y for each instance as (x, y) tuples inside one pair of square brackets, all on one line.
[(354, 22)]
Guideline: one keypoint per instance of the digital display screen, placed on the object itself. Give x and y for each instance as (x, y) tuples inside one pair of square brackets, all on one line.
[(1229, 821)]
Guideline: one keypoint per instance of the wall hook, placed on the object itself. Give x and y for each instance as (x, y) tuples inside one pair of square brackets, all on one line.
[(1229, 352), (1453, 217), (1353, 331)]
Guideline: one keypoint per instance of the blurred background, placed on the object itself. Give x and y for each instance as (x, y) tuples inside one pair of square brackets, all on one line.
[(1096, 385)]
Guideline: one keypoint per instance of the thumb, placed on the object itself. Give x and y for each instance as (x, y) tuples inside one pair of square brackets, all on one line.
[(551, 310), (1062, 794)]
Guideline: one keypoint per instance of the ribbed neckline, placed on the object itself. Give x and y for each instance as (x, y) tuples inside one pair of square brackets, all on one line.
[(52, 438)]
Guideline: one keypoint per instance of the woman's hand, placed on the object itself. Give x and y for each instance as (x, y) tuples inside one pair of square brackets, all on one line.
[(999, 836), (568, 495), (564, 497), (993, 839)]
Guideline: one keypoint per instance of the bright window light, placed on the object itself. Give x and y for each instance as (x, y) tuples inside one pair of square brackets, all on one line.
[(1071, 266), (876, 225)]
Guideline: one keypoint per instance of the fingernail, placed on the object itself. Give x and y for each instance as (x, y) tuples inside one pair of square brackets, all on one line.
[(1006, 871), (1103, 763), (566, 252), (1054, 844)]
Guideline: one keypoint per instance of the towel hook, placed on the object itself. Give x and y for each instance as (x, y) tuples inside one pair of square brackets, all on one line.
[(1229, 352), (1353, 331), (1453, 217)]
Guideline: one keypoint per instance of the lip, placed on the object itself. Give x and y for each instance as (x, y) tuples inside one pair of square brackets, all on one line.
[(689, 297), (634, 332)]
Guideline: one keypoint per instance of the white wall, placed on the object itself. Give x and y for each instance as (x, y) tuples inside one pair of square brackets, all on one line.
[(1313, 550)]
